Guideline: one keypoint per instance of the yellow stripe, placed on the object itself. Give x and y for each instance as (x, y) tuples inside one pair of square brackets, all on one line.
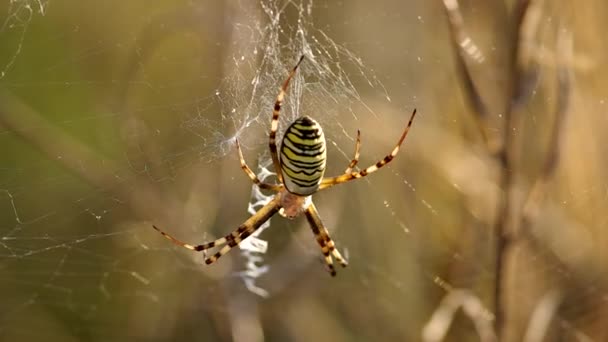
[(301, 158), (308, 142), (305, 128), (301, 176), (302, 150)]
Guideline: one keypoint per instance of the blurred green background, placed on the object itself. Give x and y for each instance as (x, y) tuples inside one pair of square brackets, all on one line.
[(116, 115)]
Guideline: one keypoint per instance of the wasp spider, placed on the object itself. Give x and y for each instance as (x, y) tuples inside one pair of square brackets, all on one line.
[(299, 167)]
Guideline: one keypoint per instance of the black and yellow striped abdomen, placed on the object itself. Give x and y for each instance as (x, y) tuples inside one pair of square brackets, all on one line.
[(303, 156)]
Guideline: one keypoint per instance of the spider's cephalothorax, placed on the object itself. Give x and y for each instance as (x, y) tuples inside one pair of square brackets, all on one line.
[(303, 156), (300, 168)]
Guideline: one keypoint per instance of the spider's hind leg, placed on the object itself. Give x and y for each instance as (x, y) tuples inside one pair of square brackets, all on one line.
[(334, 251), (231, 240), (328, 247)]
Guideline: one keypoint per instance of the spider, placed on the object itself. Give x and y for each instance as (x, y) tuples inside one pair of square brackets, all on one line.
[(299, 167)]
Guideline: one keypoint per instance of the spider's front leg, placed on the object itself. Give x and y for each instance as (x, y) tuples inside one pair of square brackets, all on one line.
[(251, 174), (355, 159), (324, 240), (274, 124), (349, 175)]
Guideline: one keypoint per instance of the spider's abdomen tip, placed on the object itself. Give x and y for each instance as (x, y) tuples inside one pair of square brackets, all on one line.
[(307, 121)]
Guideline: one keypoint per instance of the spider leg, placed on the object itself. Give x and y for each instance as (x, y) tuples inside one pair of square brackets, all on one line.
[(324, 249), (324, 240), (233, 239), (251, 174), (329, 182), (355, 160), (274, 124)]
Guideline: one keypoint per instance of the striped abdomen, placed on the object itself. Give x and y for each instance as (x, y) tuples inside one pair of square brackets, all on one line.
[(303, 156)]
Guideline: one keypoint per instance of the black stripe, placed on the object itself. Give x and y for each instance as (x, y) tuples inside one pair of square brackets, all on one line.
[(299, 154), (306, 147), (303, 163), (305, 184), (306, 121), (305, 126), (245, 235), (304, 153), (230, 241), (317, 170), (384, 161), (308, 134), (306, 130)]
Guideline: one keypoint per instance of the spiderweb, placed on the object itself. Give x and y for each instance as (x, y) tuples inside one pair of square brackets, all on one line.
[(118, 115)]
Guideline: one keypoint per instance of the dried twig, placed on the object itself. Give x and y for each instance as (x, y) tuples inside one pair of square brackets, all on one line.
[(542, 316), (462, 43), (522, 32), (437, 327), (536, 194), (522, 69)]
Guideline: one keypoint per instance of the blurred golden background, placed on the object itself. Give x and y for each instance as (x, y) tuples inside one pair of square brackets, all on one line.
[(489, 225)]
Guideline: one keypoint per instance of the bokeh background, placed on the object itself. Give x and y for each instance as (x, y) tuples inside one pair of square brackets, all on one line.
[(116, 115)]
